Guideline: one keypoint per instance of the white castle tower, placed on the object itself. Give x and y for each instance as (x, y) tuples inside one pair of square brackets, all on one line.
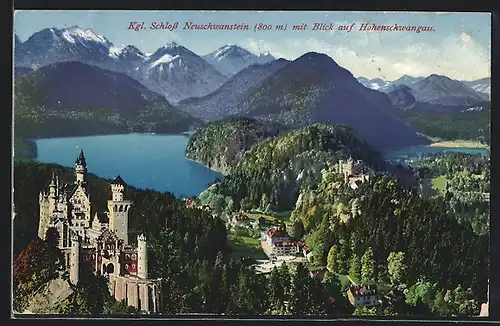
[(118, 210), (47, 202), (74, 264), (142, 257), (80, 169)]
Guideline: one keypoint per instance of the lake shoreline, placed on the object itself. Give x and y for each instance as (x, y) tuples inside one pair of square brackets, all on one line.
[(210, 168), (181, 133), (459, 144)]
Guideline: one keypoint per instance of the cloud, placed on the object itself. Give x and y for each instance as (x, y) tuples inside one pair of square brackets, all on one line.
[(457, 56), (465, 37)]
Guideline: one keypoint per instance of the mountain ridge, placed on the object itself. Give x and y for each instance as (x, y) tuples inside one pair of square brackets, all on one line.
[(75, 99), (292, 97)]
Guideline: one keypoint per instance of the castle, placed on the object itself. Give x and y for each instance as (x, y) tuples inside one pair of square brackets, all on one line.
[(100, 243), (353, 172)]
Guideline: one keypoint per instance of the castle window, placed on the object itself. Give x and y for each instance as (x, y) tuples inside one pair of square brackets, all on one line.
[(115, 209), (133, 265), (110, 269), (126, 207), (126, 266), (127, 257), (134, 256), (121, 208)]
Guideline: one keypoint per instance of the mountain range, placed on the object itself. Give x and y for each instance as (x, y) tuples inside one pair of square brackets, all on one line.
[(436, 92), (314, 88), (180, 85), (480, 85), (172, 70), (230, 59), (222, 102)]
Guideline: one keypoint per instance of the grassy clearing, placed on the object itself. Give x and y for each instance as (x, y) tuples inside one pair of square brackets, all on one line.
[(439, 183), (344, 280), (258, 215), (285, 216), (313, 267), (246, 247)]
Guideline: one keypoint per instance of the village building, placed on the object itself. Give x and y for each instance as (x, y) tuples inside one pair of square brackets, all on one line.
[(280, 243), (276, 235), (305, 251), (99, 242), (362, 296), (189, 203), (240, 219)]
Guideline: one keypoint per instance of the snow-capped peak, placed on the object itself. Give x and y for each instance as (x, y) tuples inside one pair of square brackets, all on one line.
[(88, 35), (125, 51), (230, 50), (171, 44), (166, 58), (115, 51)]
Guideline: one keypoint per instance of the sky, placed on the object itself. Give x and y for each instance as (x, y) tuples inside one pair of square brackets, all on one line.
[(459, 47)]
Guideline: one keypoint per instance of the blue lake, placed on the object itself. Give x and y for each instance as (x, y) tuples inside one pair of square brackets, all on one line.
[(142, 160), (158, 161)]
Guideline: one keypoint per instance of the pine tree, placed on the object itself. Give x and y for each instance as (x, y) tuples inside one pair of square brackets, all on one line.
[(367, 266), (355, 267), (298, 303), (331, 260), (396, 267)]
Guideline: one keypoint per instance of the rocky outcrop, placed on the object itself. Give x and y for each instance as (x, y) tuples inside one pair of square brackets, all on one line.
[(50, 297)]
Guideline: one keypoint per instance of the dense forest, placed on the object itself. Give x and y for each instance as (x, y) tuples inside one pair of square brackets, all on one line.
[(272, 172), (379, 233), (220, 145), (385, 218), (188, 249), (466, 186), (462, 125)]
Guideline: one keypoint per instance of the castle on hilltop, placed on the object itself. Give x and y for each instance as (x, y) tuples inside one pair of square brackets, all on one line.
[(99, 242), (354, 172)]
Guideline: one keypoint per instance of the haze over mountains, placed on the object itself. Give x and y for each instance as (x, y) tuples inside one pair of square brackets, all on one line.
[(233, 81)]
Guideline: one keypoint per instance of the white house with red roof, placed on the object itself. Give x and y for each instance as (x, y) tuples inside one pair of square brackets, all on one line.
[(275, 235), (362, 295), (280, 243)]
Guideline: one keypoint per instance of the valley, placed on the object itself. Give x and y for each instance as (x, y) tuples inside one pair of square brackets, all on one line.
[(264, 185)]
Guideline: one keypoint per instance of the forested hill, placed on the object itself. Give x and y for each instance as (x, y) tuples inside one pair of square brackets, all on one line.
[(75, 99), (273, 171), (221, 145)]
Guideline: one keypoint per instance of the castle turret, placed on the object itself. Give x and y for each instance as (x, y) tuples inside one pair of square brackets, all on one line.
[(74, 264), (80, 168), (118, 209), (142, 257), (53, 187), (48, 204)]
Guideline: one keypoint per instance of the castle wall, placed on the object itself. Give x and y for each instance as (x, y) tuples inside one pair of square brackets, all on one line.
[(138, 293)]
